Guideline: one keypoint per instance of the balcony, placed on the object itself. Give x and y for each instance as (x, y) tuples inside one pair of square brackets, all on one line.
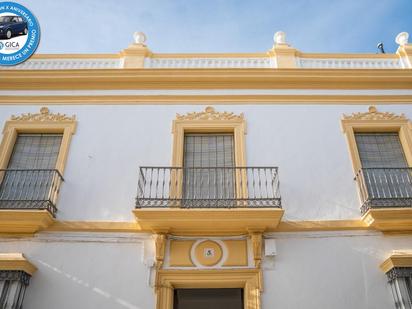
[(212, 198), (386, 197), (28, 198)]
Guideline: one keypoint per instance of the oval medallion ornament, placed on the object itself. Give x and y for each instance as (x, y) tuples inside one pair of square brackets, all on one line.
[(19, 33), (207, 253)]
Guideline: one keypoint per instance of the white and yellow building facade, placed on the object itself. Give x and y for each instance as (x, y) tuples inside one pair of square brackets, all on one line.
[(283, 176)]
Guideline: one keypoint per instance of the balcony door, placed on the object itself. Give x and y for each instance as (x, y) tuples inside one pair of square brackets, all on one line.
[(384, 165), (208, 174), (208, 299), (30, 171)]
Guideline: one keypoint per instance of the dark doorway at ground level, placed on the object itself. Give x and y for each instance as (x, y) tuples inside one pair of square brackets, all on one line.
[(208, 299)]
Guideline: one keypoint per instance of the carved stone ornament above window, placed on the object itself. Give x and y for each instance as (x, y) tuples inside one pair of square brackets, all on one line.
[(43, 116), (209, 114), (373, 114)]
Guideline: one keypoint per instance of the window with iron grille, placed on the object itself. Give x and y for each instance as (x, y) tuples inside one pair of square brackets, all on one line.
[(400, 280), (208, 166), (31, 180), (380, 150), (13, 286), (385, 178)]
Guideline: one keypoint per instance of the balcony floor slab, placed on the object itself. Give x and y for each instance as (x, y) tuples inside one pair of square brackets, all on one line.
[(389, 219), (207, 221), (24, 221)]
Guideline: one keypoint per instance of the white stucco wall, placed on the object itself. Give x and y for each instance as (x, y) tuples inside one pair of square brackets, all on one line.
[(336, 270), (85, 271), (112, 141)]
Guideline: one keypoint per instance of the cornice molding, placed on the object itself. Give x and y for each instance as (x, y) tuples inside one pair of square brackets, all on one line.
[(205, 79), (223, 99)]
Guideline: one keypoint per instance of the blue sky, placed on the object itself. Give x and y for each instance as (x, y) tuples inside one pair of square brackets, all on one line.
[(106, 26)]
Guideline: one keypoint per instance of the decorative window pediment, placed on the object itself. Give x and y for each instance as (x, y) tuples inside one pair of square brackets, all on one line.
[(210, 114), (374, 114), (43, 116)]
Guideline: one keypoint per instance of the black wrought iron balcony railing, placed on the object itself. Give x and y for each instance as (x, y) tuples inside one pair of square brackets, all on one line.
[(385, 187), (208, 187), (30, 189)]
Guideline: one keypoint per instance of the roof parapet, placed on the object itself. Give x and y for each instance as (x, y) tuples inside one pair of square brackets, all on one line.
[(281, 56)]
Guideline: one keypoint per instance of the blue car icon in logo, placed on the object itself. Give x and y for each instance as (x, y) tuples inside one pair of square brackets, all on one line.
[(11, 26)]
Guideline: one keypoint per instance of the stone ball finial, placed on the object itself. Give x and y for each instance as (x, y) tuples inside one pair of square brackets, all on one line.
[(372, 109), (279, 37), (209, 109), (402, 38), (44, 110), (139, 37)]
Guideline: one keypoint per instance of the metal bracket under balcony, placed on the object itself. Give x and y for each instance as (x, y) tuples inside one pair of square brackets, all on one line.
[(29, 189), (208, 187), (385, 188)]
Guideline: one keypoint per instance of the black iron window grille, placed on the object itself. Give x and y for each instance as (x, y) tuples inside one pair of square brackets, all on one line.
[(400, 280), (13, 286)]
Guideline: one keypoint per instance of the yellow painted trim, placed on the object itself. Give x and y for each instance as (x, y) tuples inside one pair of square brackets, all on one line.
[(389, 219), (14, 127), (237, 253), (95, 226), (179, 253), (133, 227), (16, 261), (24, 221), (397, 259), (235, 221), (105, 79), (322, 226), (205, 99), (248, 279)]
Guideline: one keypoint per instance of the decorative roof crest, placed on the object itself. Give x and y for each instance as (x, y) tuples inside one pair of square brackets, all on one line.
[(43, 116), (373, 114), (209, 114)]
